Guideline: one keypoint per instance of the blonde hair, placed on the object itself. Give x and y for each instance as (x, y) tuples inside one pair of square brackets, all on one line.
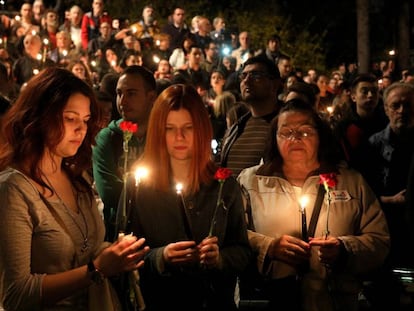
[(222, 103)]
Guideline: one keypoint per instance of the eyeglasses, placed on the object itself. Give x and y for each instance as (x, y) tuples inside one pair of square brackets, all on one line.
[(255, 75), (301, 133), (397, 105)]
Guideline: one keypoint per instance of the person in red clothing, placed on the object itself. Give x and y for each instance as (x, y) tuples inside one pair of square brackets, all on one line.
[(91, 22)]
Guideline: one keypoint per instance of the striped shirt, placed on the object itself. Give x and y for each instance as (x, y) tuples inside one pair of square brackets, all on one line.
[(248, 149)]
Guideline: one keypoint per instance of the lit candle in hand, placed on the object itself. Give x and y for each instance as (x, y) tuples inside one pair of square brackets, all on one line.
[(179, 189), (184, 212), (45, 47), (303, 202), (329, 109), (140, 172)]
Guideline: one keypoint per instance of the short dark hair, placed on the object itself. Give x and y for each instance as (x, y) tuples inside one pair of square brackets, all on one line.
[(274, 37), (271, 67), (146, 74), (306, 89), (363, 77)]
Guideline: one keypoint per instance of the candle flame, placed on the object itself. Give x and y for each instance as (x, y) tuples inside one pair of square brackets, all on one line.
[(304, 200), (329, 109), (156, 59), (179, 188), (140, 172)]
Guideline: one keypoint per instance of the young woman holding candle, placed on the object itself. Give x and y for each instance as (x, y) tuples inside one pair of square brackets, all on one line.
[(351, 235), (52, 250), (189, 267)]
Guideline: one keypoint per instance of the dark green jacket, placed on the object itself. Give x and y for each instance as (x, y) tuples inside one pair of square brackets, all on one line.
[(107, 161)]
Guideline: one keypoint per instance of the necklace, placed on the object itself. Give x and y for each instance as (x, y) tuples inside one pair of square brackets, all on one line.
[(85, 245)]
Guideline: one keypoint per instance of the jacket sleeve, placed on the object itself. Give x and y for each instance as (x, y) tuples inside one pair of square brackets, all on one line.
[(235, 250), (84, 31), (369, 245), (20, 289), (105, 169)]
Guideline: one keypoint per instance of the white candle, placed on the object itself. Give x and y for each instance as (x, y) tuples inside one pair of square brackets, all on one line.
[(179, 188), (140, 172), (303, 202)]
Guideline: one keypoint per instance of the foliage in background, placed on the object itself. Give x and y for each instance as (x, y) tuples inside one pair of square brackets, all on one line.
[(260, 18)]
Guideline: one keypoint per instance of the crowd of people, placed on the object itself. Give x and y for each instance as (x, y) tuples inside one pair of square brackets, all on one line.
[(268, 188)]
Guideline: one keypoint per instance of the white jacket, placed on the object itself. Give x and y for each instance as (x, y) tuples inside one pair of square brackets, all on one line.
[(355, 217)]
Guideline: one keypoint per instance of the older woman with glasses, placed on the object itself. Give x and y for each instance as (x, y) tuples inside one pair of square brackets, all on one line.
[(315, 225)]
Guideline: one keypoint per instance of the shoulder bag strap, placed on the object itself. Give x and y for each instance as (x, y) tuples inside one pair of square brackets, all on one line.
[(316, 211)]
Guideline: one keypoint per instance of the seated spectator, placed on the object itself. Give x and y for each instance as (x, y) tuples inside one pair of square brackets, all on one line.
[(131, 57), (63, 53), (178, 58), (164, 70), (73, 26), (31, 62), (91, 22), (79, 69)]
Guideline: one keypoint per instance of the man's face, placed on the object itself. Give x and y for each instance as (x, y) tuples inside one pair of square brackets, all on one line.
[(38, 8), (26, 10), (178, 16), (97, 7), (256, 84), (366, 96), (195, 56), (273, 45), (52, 20), (148, 15), (399, 107), (212, 51), (133, 101), (285, 68), (75, 15)]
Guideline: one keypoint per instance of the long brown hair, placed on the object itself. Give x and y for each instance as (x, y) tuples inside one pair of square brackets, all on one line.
[(156, 157), (35, 122)]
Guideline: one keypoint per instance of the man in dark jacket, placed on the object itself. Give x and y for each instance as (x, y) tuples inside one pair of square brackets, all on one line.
[(243, 145), (136, 93)]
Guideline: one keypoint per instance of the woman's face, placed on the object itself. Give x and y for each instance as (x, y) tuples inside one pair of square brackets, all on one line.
[(79, 71), (164, 66), (111, 57), (297, 137), (76, 115), (179, 135), (217, 79), (133, 60)]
